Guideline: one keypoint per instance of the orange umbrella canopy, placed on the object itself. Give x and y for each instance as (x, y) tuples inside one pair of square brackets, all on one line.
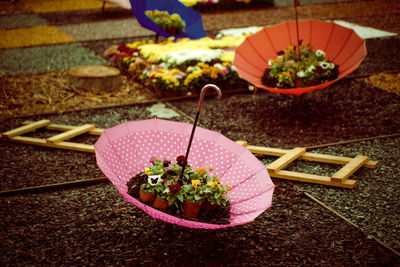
[(342, 46)]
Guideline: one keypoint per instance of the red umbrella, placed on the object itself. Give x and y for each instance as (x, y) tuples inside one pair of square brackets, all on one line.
[(125, 150), (342, 46)]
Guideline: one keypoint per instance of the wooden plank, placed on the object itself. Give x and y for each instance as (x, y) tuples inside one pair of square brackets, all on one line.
[(60, 145), (336, 159), (286, 159), (64, 128), (26, 128), (69, 134), (75, 146), (311, 178), (347, 170)]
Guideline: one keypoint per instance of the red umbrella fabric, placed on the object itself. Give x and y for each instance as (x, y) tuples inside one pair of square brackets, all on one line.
[(124, 150), (342, 46)]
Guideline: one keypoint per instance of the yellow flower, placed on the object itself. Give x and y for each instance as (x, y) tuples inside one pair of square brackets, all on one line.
[(212, 184), (147, 171), (195, 183), (228, 187)]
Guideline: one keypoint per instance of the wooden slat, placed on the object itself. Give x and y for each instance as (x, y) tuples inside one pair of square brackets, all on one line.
[(69, 134), (286, 159), (347, 170), (60, 145), (64, 128), (26, 128), (311, 178)]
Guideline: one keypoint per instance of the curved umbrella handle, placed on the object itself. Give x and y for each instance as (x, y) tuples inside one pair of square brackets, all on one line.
[(203, 93)]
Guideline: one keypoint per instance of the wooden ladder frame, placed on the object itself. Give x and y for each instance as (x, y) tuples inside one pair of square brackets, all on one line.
[(275, 169), (286, 156)]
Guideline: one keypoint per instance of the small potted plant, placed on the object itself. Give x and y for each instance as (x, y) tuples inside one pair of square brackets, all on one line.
[(193, 198), (152, 184), (216, 194)]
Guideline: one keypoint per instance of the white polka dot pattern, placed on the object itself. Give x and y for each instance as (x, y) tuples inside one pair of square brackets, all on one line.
[(124, 150)]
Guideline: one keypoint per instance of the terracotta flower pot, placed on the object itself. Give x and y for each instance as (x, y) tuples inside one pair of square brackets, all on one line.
[(191, 209), (208, 206), (146, 197), (160, 204)]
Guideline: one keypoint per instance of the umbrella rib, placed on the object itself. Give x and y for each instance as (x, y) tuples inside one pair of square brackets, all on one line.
[(270, 40), (253, 196), (344, 44), (250, 62), (351, 65), (329, 37)]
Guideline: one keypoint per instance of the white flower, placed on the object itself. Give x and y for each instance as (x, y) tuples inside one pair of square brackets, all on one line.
[(270, 62), (301, 74), (251, 87), (311, 68), (154, 179), (324, 65), (182, 56), (320, 53), (331, 66), (219, 66), (233, 68)]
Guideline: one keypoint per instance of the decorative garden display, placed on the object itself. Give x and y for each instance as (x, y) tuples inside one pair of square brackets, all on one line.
[(124, 151), (340, 45)]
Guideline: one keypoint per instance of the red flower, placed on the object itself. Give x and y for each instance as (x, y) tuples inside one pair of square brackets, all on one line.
[(175, 188), (166, 163), (180, 159)]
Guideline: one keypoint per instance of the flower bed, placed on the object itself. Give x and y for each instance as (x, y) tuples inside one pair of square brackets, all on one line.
[(183, 66)]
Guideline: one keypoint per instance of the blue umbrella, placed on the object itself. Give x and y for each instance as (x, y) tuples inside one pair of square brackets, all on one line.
[(194, 25)]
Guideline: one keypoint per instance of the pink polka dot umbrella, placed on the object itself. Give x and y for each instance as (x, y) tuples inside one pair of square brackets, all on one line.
[(125, 150)]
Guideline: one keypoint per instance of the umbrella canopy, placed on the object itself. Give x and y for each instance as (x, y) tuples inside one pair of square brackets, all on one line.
[(124, 150), (342, 46), (194, 25)]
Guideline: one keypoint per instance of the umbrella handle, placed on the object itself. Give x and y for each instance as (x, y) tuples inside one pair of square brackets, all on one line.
[(203, 93)]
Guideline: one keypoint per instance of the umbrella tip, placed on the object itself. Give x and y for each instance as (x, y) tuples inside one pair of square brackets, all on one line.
[(203, 92)]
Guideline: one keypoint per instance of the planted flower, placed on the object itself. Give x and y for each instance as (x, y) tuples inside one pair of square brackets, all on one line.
[(299, 67), (196, 186), (172, 24)]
